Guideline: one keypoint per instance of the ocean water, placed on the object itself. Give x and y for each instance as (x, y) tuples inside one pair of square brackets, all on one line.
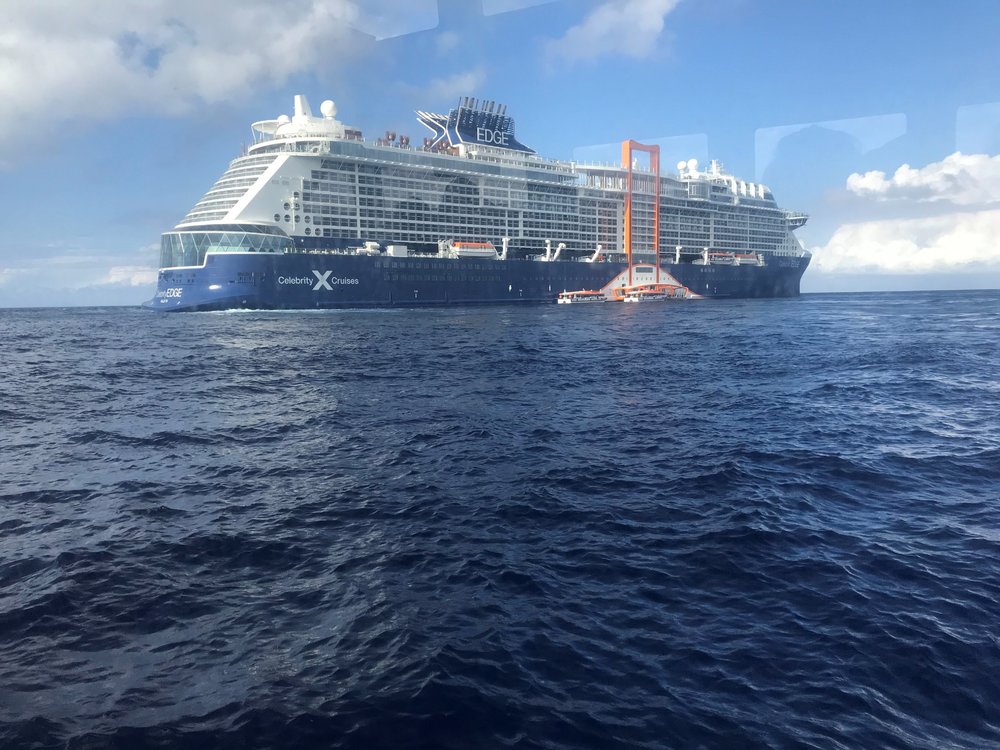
[(717, 524)]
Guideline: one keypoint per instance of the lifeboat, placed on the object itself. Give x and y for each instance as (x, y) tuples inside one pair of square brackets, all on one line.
[(463, 249)]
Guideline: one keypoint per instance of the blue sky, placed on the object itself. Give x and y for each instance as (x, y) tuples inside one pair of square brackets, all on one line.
[(122, 113)]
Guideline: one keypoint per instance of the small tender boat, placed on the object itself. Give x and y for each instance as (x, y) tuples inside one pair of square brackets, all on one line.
[(646, 295), (584, 296), (649, 293)]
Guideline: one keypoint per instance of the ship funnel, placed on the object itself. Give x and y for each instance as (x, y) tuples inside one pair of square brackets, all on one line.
[(302, 108)]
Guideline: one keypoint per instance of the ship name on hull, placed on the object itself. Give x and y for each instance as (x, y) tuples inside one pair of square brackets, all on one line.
[(322, 280)]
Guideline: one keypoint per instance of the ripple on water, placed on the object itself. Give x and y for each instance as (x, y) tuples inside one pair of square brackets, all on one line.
[(731, 524)]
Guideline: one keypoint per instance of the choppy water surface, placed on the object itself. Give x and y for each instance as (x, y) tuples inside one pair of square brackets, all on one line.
[(713, 524)]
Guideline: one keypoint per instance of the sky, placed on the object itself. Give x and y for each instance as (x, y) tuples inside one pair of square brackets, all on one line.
[(879, 118)]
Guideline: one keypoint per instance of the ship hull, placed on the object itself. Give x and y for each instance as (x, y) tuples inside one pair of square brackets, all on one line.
[(299, 281)]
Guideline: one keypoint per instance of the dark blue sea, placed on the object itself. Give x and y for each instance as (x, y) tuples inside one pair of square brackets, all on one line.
[(715, 524)]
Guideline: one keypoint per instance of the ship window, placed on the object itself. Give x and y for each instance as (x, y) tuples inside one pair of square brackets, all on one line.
[(308, 230), (308, 219), (277, 217), (287, 217), (287, 207), (295, 194)]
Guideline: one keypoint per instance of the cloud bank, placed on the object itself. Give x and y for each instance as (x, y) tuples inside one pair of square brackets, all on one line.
[(80, 276), (626, 27), (961, 179), (451, 87), (966, 238), (112, 58), (940, 244)]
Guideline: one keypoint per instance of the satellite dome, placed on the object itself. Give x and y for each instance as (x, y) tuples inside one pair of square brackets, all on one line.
[(284, 120), (692, 165), (681, 165), (328, 108)]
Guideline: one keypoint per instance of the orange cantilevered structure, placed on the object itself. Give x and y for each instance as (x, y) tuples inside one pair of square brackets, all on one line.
[(654, 164)]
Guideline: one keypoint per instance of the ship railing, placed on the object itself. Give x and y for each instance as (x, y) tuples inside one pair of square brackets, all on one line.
[(322, 250)]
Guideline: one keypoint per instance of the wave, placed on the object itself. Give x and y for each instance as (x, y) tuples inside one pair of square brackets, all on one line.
[(504, 527)]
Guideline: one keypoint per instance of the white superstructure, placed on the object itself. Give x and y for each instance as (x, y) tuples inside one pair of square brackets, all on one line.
[(315, 182)]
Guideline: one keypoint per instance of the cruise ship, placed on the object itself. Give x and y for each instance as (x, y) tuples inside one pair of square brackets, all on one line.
[(313, 215)]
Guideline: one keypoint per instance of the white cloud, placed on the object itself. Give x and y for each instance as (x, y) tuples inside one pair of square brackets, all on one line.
[(959, 241), (112, 58), (131, 276), (452, 87), (447, 41), (388, 18), (961, 179), (7, 275), (49, 279), (627, 27), (959, 235)]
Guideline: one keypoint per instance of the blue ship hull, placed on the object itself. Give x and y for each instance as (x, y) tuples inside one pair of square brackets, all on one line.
[(316, 280)]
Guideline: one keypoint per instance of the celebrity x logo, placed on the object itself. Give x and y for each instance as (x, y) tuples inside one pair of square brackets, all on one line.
[(322, 283)]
